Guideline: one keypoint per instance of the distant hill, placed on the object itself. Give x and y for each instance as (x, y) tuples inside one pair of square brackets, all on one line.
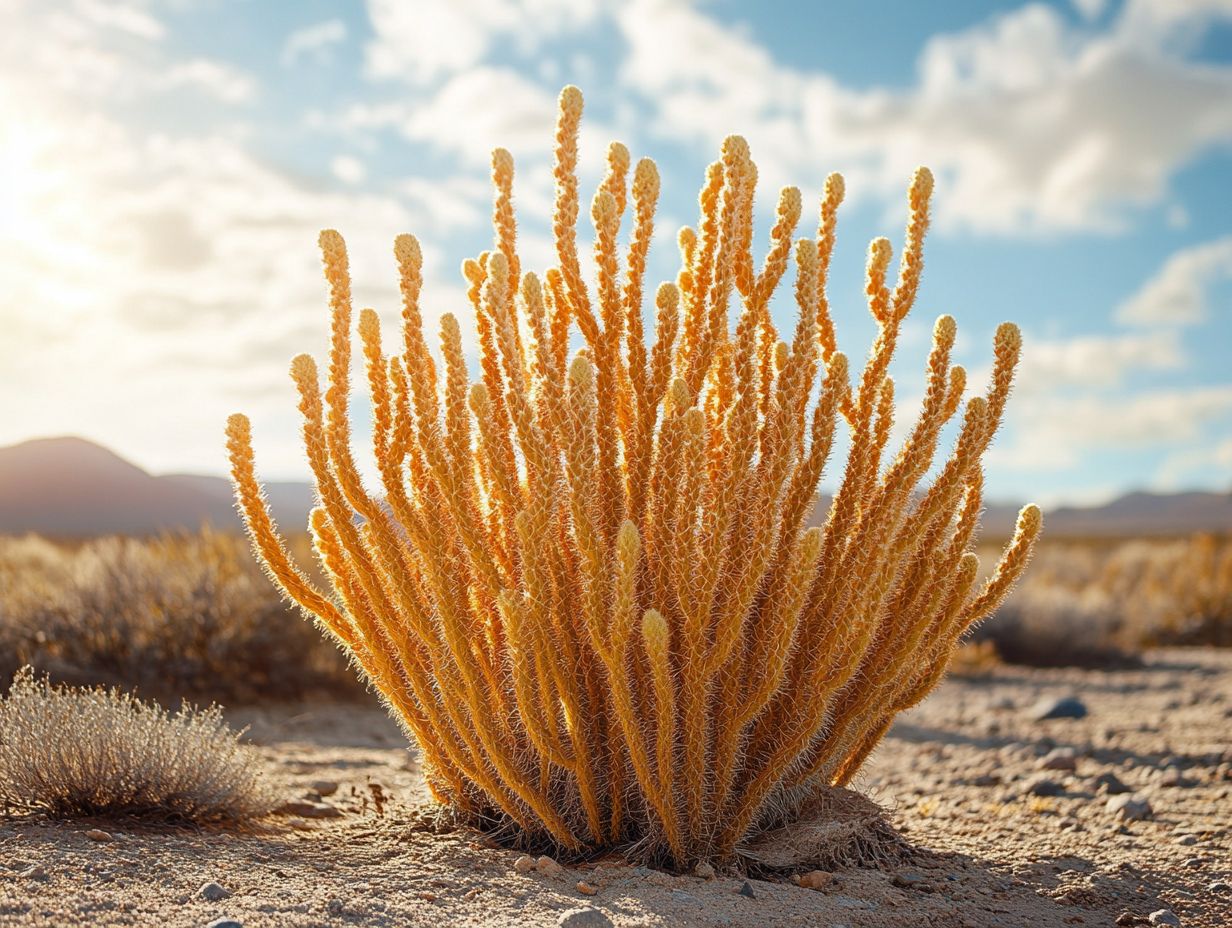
[(70, 487)]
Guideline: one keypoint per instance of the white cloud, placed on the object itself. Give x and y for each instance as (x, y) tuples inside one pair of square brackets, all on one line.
[(1032, 124), (1193, 466), (219, 80), (1090, 9), (1179, 292), (314, 42), (426, 40), (1094, 361), (1056, 432), (348, 169), (126, 17)]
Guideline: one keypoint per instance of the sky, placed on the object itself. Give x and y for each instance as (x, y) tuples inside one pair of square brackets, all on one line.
[(167, 166)]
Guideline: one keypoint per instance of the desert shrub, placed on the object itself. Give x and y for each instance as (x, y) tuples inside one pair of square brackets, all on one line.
[(1091, 603), (77, 752), (181, 615), (588, 587)]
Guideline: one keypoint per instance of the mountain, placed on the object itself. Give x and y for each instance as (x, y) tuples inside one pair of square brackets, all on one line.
[(70, 487)]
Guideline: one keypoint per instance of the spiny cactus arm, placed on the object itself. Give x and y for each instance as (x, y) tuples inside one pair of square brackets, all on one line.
[(421, 713), (701, 271), (1009, 569), (378, 380), (764, 665), (564, 218), (658, 651), (608, 367), (270, 547), (505, 226), (912, 262), (645, 201), (533, 712)]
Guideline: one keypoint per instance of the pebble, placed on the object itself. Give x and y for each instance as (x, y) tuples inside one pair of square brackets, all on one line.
[(910, 879), (548, 866), (746, 890), (225, 923), (816, 879), (524, 864), (1175, 777), (97, 834), (1059, 707), (37, 872), (1130, 808), (324, 787), (306, 808), (1042, 786), (1165, 917), (1221, 887), (986, 779), (1110, 784), (212, 892), (1187, 840), (584, 918), (585, 888), (1059, 759), (704, 870)]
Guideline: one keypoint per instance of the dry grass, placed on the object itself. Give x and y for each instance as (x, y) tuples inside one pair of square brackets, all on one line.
[(1100, 603), (587, 585), (177, 616), (75, 752)]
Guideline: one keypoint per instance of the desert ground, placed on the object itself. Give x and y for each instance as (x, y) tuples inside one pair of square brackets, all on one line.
[(991, 834)]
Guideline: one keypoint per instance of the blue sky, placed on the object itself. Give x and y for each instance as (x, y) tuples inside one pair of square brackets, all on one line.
[(169, 163)]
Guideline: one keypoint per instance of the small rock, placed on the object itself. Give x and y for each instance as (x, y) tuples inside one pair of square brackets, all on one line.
[(816, 879), (585, 888), (1165, 917), (1127, 918), (548, 866), (212, 892), (37, 872), (225, 923), (986, 779), (1110, 784), (1059, 759), (910, 879), (1042, 786), (1187, 840), (1058, 707), (746, 890), (97, 834), (584, 918), (704, 870), (524, 864), (1175, 777), (1130, 808), (1194, 862), (324, 787), (306, 808), (1220, 887)]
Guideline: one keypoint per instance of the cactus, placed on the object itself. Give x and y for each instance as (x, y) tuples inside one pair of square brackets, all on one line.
[(587, 586)]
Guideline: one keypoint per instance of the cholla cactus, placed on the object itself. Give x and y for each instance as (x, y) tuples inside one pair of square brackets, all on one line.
[(587, 587)]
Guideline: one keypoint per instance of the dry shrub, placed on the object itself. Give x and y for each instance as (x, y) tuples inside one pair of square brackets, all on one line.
[(181, 615), (1098, 604), (79, 752), (588, 586)]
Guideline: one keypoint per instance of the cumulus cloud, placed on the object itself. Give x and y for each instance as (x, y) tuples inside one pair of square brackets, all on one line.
[(315, 42), (426, 40), (1032, 124), (1180, 291), (214, 78)]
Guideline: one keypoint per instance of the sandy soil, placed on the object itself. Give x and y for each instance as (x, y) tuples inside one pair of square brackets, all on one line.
[(957, 776)]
